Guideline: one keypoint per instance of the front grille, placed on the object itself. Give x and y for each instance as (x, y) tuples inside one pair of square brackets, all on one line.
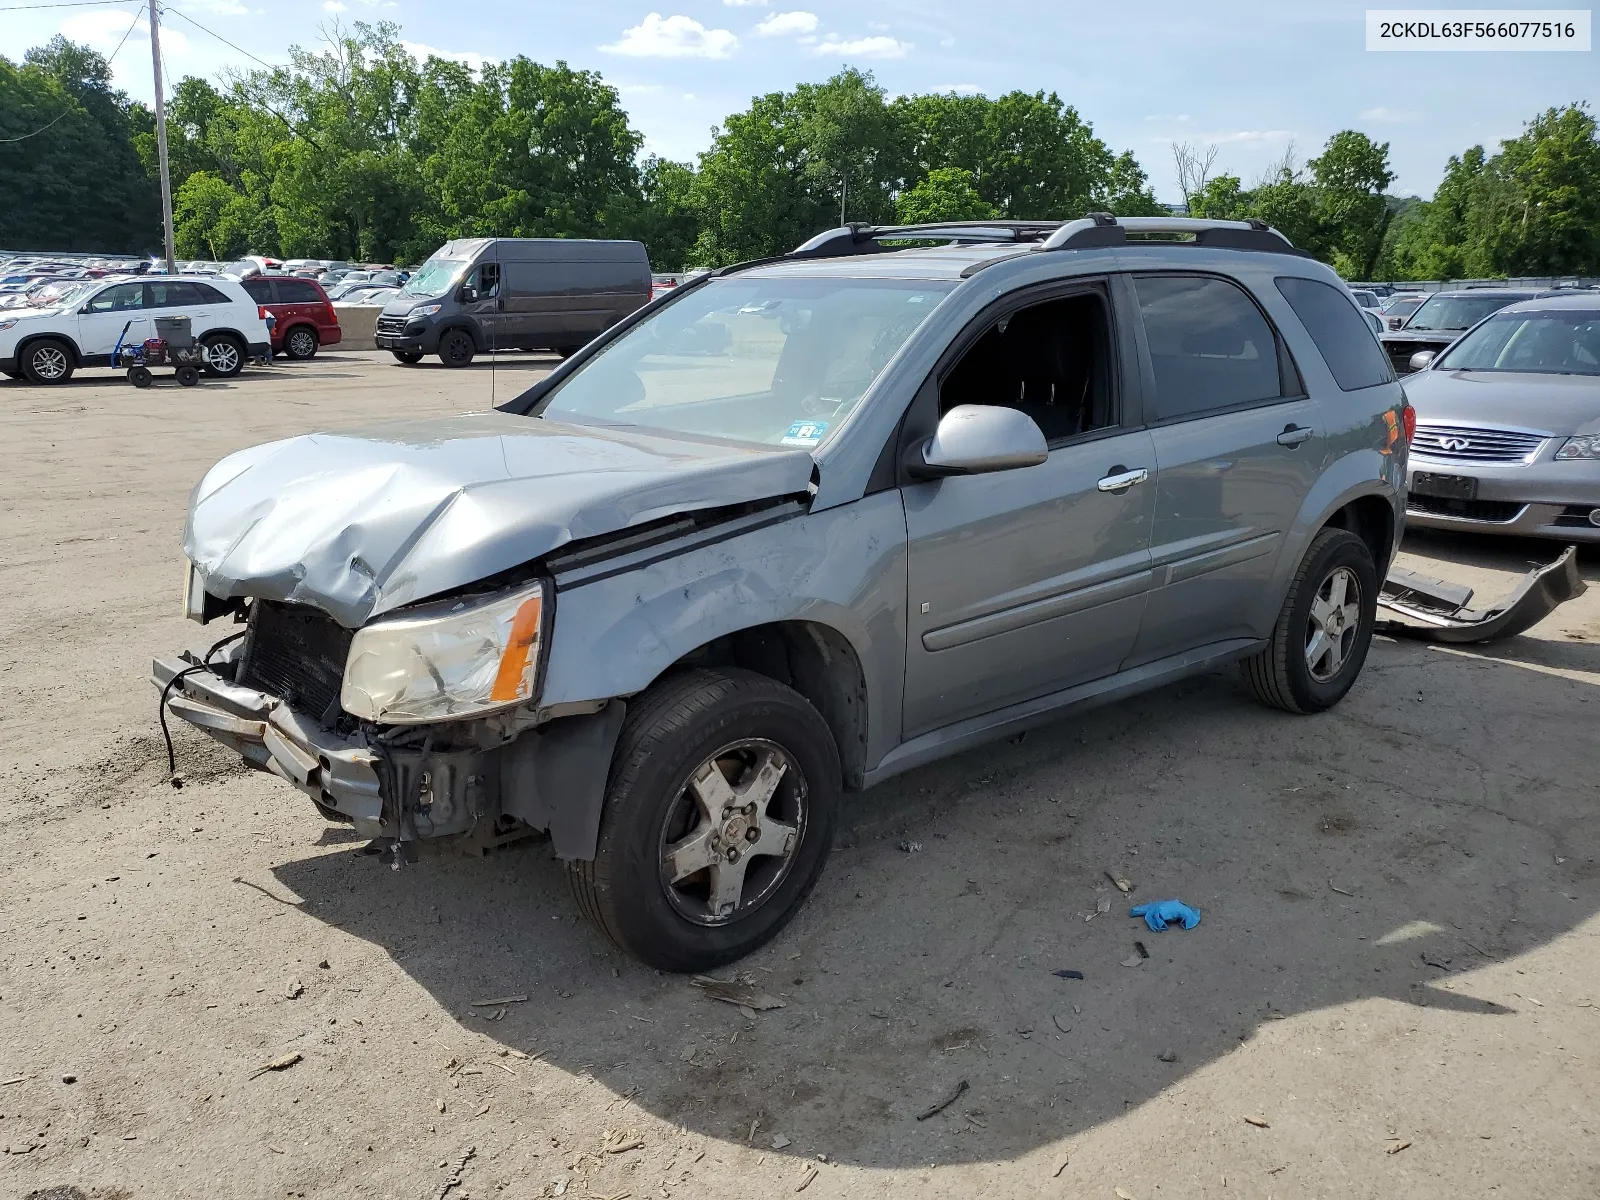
[(1471, 443), (1577, 515), (391, 324), (297, 654), (1499, 511)]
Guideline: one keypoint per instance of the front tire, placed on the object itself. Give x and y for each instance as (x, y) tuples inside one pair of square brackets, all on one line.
[(49, 360), (456, 348), (719, 815), (1323, 631), (409, 357), (300, 343), (224, 355)]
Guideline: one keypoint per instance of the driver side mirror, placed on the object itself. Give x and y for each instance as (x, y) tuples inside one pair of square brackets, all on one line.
[(1421, 359), (975, 439), (467, 294)]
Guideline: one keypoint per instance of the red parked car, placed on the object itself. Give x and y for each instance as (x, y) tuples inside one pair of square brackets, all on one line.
[(304, 314)]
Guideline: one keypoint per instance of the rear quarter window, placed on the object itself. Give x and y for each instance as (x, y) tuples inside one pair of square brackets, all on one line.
[(298, 291), (1341, 334)]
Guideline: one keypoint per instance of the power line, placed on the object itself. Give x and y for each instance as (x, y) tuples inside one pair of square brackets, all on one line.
[(220, 38), (69, 108), (59, 4)]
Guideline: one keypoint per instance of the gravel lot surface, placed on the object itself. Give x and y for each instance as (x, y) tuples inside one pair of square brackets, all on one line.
[(1394, 992)]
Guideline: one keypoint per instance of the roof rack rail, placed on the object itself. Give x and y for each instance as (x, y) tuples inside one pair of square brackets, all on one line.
[(865, 239), (1096, 230), (1102, 229)]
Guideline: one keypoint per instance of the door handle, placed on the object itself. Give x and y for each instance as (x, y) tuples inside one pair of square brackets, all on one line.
[(1293, 435), (1121, 479)]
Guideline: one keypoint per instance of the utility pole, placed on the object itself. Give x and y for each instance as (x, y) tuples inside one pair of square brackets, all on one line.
[(844, 190), (161, 139)]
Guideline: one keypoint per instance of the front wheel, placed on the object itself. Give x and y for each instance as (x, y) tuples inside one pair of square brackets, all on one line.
[(718, 818), (409, 357), (1323, 631), (46, 361), (456, 348), (224, 355)]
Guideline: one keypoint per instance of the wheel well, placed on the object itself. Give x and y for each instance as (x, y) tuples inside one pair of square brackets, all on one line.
[(818, 662), (72, 346), (1370, 518), (470, 331), (302, 325), (244, 342)]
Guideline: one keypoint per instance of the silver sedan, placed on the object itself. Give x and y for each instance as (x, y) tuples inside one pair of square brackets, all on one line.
[(1508, 425)]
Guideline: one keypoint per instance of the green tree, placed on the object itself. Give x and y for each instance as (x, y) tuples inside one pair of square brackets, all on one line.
[(944, 194), (663, 215), (1349, 179)]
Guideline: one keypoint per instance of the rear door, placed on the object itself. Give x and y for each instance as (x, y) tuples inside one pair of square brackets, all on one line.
[(102, 320), (1238, 445)]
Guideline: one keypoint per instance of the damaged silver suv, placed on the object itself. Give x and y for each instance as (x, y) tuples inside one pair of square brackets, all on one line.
[(796, 527)]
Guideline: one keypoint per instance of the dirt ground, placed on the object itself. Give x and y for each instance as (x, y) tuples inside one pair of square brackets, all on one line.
[(1395, 980)]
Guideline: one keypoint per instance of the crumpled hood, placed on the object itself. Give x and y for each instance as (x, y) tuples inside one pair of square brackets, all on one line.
[(363, 521), (1557, 404)]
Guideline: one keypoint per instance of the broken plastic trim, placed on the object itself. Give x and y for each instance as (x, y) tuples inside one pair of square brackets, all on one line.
[(1435, 611)]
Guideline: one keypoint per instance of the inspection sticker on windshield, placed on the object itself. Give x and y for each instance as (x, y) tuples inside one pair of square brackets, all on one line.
[(805, 433)]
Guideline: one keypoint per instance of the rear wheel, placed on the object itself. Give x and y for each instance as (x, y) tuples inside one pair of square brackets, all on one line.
[(456, 348), (48, 360), (188, 376), (140, 377), (407, 356), (300, 342), (1323, 631), (224, 355), (718, 819)]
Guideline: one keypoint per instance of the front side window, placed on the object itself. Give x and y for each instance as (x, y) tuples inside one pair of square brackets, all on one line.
[(776, 361), (1210, 346), (1555, 343), (1050, 360), (1340, 331), (121, 297)]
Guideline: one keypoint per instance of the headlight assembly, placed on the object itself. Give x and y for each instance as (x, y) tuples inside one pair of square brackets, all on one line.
[(425, 310), (445, 661), (1582, 446)]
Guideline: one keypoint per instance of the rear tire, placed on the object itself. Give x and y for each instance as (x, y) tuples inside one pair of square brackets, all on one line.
[(456, 348), (224, 355), (140, 377), (738, 724), (48, 360), (188, 376), (300, 343), (409, 357), (1315, 653)]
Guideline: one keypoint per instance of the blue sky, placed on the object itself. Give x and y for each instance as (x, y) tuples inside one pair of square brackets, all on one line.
[(1252, 78)]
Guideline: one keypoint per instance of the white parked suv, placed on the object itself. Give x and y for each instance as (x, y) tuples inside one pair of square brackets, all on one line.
[(82, 330)]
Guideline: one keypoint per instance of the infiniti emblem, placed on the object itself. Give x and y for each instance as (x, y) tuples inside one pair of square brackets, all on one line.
[(1454, 443)]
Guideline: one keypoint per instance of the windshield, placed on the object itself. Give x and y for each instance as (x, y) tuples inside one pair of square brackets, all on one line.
[(774, 361), (434, 277), (55, 294), (1457, 312), (1556, 343)]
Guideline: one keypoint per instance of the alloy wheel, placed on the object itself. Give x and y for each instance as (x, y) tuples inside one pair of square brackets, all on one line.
[(302, 344), (223, 356), (732, 835), (1334, 623), (49, 363)]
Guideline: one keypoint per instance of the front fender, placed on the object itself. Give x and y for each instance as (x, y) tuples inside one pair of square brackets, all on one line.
[(844, 568)]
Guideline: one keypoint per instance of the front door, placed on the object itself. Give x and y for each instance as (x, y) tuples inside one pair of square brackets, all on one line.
[(102, 320), (1027, 581), (487, 308), (1238, 447)]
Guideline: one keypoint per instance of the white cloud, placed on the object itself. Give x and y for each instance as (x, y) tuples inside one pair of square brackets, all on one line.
[(947, 42), (334, 6), (1389, 116), (787, 23), (960, 89), (745, 3), (879, 26), (1248, 135), (673, 37), (422, 52), (867, 47), (103, 31)]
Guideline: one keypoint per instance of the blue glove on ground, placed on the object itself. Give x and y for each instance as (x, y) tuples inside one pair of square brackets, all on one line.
[(1157, 913)]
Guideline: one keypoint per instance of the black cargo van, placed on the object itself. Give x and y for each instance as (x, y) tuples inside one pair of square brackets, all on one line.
[(480, 294)]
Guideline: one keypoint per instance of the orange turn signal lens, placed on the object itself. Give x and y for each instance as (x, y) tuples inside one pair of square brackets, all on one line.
[(514, 680)]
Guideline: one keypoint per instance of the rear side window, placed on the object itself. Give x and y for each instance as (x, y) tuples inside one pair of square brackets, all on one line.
[(1340, 332), (298, 291), (181, 293), (260, 290), (1209, 345)]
